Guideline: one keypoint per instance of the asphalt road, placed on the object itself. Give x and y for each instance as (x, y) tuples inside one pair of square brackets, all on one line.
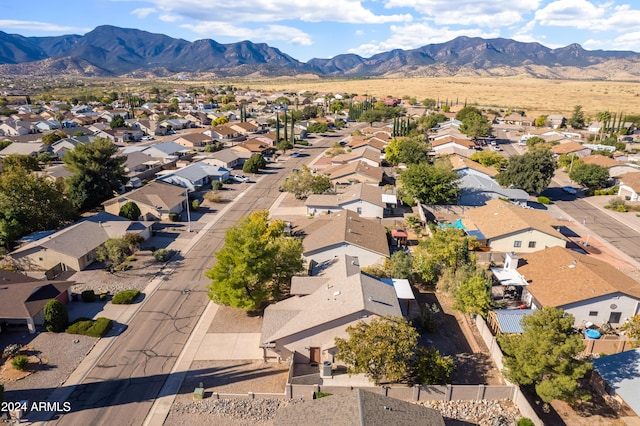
[(122, 386)]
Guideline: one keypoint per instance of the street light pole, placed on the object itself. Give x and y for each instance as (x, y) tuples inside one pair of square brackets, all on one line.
[(186, 194)]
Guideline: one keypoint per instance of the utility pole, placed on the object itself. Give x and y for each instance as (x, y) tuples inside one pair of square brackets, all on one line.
[(186, 194)]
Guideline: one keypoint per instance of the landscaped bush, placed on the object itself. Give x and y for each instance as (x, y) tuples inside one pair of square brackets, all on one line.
[(88, 296), (617, 205), (544, 200), (608, 191), (409, 201), (125, 297), (525, 422), (174, 217), (162, 255), (216, 185), (303, 143), (103, 297), (97, 328), (195, 205), (10, 350), (55, 316), (20, 362)]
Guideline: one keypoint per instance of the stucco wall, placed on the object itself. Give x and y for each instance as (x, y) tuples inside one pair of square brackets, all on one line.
[(542, 240)]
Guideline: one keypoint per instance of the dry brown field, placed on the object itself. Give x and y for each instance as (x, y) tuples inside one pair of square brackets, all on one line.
[(535, 96)]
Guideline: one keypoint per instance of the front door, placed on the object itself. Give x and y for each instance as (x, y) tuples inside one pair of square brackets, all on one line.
[(314, 355)]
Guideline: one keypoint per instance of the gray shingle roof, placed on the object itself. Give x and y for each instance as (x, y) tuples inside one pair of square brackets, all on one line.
[(358, 407)]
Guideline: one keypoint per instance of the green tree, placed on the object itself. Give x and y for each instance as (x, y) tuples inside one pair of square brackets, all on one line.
[(97, 173), (545, 354), (490, 159), (317, 127), (371, 116), (430, 121), (130, 210), (401, 265), (444, 248), (472, 296), (531, 172), (117, 121), (336, 107), (591, 176), (631, 328), (256, 263), (55, 315), (283, 146), (577, 119), (113, 252), (466, 112), (431, 368), (430, 184), (254, 164), (21, 161), (382, 349), (475, 125), (29, 203), (5, 143), (534, 141), (52, 137), (302, 183), (407, 150), (134, 241), (540, 121)]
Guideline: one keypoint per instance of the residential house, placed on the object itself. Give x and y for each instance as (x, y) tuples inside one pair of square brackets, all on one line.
[(556, 120), (167, 151), (571, 148), (74, 247), (194, 140), (327, 236), (453, 145), (194, 176), (224, 133), (60, 147), (367, 155), (359, 408), (618, 376), (252, 147), (356, 172), (22, 298), (360, 142), (477, 184), (45, 126), (505, 227), (616, 168), (227, 158), (368, 201), (304, 327), (245, 128), (591, 290), (629, 186), (156, 200), (30, 148), (176, 124)]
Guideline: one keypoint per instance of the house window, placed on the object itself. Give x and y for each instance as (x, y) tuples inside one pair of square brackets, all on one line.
[(517, 243), (593, 313), (614, 317), (359, 210), (532, 244)]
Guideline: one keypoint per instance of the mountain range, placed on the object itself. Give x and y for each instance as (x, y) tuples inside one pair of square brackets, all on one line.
[(110, 51)]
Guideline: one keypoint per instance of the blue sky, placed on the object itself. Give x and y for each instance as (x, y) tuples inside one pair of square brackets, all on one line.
[(308, 29)]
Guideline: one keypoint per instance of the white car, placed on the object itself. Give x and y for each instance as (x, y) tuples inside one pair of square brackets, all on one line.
[(569, 190), (241, 178), (496, 148), (295, 154)]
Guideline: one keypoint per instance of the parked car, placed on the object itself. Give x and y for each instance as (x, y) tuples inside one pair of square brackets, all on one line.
[(569, 190), (147, 138), (241, 178), (496, 148), (295, 154)]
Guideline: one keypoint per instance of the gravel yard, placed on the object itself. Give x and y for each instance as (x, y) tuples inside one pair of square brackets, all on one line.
[(58, 354), (261, 412)]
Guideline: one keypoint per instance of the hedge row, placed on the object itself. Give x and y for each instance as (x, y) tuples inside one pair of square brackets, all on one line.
[(97, 328), (125, 297)]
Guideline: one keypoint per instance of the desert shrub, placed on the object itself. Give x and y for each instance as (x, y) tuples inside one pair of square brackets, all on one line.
[(216, 185), (20, 362), (55, 316), (125, 297), (213, 197), (97, 328), (525, 422), (88, 296), (10, 350), (303, 143), (544, 200), (174, 217), (195, 205), (617, 205), (162, 255)]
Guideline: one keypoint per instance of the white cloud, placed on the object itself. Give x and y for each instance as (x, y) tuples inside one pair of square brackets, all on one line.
[(35, 26), (266, 33), (169, 18), (470, 12), (143, 12), (583, 14), (627, 41), (345, 11), (417, 35)]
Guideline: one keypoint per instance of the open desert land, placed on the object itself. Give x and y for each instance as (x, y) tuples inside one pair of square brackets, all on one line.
[(535, 96)]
